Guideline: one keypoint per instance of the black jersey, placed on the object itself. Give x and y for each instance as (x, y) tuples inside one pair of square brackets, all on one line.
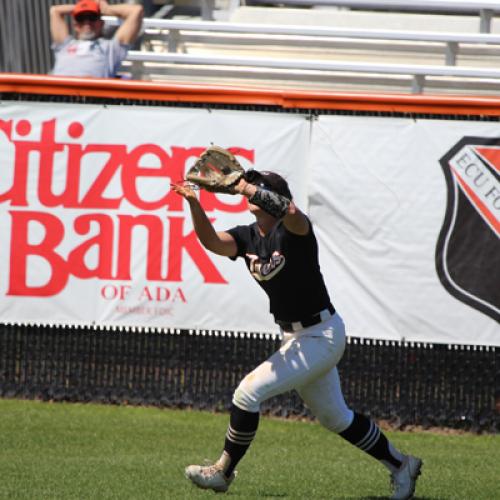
[(286, 266)]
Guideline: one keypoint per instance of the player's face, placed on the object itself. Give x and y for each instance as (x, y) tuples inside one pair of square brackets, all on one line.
[(262, 217), (88, 26)]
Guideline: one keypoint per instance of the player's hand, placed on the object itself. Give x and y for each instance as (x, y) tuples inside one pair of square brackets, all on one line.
[(185, 191), (62, 10), (104, 7), (245, 188)]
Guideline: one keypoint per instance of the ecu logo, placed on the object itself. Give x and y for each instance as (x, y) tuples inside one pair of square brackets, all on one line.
[(468, 248)]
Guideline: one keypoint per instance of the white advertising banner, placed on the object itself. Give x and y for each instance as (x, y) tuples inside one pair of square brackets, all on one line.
[(407, 214), (91, 231)]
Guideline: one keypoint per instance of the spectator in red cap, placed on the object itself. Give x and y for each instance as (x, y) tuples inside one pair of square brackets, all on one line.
[(88, 53)]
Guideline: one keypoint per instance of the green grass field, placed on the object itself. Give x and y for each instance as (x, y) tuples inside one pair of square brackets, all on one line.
[(87, 451)]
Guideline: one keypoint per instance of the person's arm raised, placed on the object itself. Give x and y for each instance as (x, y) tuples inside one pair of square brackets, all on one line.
[(219, 242), (58, 25), (131, 15)]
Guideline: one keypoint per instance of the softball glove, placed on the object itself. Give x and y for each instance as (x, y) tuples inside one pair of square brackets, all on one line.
[(216, 170)]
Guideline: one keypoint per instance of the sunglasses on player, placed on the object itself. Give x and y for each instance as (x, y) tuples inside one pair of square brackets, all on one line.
[(82, 18)]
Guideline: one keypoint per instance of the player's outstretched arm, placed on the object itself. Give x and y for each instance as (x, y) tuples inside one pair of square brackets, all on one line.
[(131, 14), (219, 242)]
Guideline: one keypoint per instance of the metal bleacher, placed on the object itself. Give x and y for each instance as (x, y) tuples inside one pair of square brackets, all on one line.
[(429, 46), (433, 46), (483, 10)]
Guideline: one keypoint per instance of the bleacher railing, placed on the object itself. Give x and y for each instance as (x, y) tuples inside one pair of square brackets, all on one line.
[(485, 10), (169, 54)]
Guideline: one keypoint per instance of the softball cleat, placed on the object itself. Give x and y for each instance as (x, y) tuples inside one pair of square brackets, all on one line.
[(209, 477), (404, 479)]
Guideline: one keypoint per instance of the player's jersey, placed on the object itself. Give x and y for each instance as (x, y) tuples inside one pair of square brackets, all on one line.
[(286, 266), (99, 58)]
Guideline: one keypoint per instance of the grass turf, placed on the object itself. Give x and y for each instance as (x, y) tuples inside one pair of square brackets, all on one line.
[(88, 451)]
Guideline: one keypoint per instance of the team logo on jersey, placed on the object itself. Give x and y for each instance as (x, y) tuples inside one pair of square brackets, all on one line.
[(468, 248), (265, 270)]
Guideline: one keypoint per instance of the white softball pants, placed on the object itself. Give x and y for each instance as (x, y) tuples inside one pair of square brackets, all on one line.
[(305, 362)]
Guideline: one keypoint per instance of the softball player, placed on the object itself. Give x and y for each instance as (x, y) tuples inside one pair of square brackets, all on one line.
[(281, 252)]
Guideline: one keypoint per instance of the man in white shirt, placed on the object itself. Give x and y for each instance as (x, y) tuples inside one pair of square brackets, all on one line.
[(88, 53)]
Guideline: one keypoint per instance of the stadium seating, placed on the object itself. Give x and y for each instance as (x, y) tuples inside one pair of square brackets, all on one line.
[(429, 46), (323, 48), (482, 12)]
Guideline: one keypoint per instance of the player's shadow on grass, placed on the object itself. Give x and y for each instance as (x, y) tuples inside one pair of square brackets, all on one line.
[(272, 495), (386, 497), (261, 494), (285, 495)]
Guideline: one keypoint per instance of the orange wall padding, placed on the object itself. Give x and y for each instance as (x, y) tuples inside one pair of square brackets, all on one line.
[(240, 95)]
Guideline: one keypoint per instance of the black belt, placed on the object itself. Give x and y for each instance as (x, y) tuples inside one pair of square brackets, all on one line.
[(294, 326)]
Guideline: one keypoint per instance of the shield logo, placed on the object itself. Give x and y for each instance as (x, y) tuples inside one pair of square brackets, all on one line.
[(468, 248)]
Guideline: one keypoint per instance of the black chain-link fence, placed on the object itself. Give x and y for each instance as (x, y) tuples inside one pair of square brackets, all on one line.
[(403, 383)]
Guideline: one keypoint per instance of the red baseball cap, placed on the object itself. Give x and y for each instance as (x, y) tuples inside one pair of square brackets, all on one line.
[(86, 7)]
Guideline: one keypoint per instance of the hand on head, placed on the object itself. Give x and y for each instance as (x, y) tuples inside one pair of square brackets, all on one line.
[(104, 6)]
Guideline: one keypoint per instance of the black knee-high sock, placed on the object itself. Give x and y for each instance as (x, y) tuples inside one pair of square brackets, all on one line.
[(367, 436), (240, 433)]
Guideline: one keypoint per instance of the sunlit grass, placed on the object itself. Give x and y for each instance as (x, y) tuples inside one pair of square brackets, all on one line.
[(80, 451)]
